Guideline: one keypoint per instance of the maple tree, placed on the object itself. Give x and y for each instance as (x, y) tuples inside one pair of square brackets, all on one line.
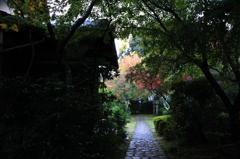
[(136, 73), (144, 78), (148, 80), (122, 88)]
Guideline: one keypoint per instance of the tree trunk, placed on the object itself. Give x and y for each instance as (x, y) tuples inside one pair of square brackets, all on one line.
[(235, 117), (233, 109), (66, 70), (33, 55)]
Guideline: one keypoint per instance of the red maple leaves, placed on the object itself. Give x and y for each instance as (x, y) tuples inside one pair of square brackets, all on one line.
[(144, 78)]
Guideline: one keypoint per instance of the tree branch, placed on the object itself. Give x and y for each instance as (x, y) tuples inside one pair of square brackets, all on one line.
[(156, 16), (215, 85), (215, 69), (74, 27), (61, 45), (167, 9)]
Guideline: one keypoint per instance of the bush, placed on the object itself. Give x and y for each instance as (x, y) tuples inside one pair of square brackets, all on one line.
[(161, 126), (120, 116), (163, 111), (47, 119), (160, 123), (196, 108), (171, 131), (164, 125), (156, 119)]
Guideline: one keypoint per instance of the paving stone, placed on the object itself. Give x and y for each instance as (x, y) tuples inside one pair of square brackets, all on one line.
[(129, 154), (143, 144), (136, 157)]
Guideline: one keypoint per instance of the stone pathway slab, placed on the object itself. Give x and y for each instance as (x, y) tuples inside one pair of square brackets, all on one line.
[(143, 144)]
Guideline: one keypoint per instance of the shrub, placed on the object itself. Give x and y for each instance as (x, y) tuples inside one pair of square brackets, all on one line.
[(163, 111), (156, 119), (195, 107), (166, 126), (161, 126), (160, 123), (172, 131), (47, 119), (120, 116)]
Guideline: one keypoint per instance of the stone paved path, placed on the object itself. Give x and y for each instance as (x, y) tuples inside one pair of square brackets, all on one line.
[(143, 144)]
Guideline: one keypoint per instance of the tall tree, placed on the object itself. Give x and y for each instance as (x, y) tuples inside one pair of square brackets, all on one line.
[(187, 35)]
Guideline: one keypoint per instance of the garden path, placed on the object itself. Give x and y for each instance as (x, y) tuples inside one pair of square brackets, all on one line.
[(143, 144)]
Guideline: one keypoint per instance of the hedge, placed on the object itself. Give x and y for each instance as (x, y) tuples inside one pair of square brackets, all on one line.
[(160, 122)]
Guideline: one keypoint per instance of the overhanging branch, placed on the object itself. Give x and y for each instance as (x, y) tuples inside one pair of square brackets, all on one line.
[(74, 27), (156, 16)]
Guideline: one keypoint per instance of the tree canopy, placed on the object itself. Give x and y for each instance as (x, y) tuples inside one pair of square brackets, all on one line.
[(178, 36), (61, 21), (188, 36)]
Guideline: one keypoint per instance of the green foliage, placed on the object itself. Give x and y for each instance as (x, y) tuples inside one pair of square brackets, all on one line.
[(163, 111), (134, 46), (47, 119), (171, 131), (158, 118), (191, 37), (121, 114), (165, 126), (160, 123), (196, 109)]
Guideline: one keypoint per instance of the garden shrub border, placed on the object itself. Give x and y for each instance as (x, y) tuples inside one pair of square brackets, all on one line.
[(47, 119), (160, 123)]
